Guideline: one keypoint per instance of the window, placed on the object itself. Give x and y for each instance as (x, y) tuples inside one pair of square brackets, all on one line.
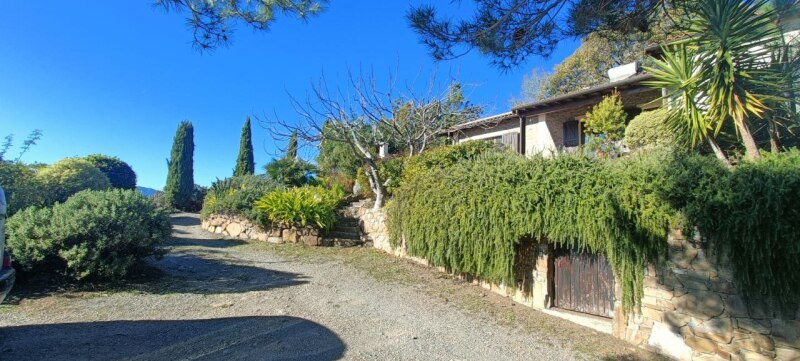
[(511, 140), (572, 134)]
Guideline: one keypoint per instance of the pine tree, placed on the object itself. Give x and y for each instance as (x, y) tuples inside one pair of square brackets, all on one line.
[(291, 149), (180, 176), (244, 163)]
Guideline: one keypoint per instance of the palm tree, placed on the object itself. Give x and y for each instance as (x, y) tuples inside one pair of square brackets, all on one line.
[(720, 73)]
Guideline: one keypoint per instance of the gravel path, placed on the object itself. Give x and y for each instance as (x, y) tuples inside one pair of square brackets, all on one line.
[(231, 300)]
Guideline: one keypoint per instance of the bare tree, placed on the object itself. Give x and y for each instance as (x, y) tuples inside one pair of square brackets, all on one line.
[(364, 116)]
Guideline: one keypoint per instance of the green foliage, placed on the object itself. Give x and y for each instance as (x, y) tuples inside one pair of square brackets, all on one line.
[(291, 147), (95, 235), (69, 176), (649, 129), (119, 173), (180, 176), (607, 117), (237, 196), (446, 156), (29, 142), (245, 164), (391, 172), (291, 172), (335, 157), (750, 215), (302, 206), (469, 216), (22, 188)]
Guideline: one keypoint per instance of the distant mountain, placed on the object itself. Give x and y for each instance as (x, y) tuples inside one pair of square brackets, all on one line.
[(148, 192)]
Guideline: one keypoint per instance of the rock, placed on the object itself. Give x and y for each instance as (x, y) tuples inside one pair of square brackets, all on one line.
[(782, 353), (234, 229), (701, 304), (735, 306), (683, 257), (786, 333), (676, 319), (290, 235), (754, 356), (311, 240), (275, 240), (755, 326), (218, 230), (700, 344), (716, 329)]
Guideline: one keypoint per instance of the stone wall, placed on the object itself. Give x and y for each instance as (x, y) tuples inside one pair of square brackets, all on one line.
[(235, 226), (692, 310), (531, 288)]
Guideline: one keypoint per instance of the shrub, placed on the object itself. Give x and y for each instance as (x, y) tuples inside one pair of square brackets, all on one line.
[(119, 173), (446, 156), (607, 117), (649, 129), (303, 206), (97, 235), (22, 188), (237, 196), (69, 176), (391, 172)]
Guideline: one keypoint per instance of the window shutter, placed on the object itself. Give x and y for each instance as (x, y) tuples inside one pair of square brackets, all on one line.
[(571, 134)]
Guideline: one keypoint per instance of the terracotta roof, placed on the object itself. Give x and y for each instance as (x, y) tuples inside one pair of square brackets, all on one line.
[(583, 93)]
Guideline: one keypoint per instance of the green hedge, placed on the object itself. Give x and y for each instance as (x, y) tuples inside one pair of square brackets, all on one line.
[(69, 176), (96, 235), (470, 216)]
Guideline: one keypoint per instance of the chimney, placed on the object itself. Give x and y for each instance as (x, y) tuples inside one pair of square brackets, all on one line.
[(623, 72)]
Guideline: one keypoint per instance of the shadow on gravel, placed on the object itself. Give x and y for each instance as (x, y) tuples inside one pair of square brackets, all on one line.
[(240, 338), (185, 220), (212, 243)]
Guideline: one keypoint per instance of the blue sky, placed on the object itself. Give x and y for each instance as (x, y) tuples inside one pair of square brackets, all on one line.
[(116, 77)]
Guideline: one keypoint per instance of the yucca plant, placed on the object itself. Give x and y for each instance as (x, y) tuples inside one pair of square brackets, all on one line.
[(721, 73)]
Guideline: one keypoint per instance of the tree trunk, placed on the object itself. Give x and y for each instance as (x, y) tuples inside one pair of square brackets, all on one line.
[(375, 182), (718, 152), (750, 146), (774, 138)]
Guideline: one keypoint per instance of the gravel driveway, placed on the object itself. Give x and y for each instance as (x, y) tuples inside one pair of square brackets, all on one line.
[(219, 299)]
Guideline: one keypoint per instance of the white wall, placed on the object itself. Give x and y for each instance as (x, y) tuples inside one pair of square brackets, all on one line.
[(538, 138)]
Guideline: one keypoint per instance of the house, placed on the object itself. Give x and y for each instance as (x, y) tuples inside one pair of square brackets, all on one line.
[(554, 124)]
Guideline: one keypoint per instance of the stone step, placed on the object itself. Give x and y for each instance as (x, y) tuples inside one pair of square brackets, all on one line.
[(347, 229), (341, 242), (344, 235)]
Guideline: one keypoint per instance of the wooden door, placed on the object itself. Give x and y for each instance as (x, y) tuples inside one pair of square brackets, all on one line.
[(584, 283)]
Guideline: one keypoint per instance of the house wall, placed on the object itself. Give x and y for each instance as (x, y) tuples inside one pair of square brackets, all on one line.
[(544, 130)]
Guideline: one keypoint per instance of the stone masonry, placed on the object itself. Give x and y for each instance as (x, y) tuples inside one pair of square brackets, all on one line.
[(235, 226), (691, 309)]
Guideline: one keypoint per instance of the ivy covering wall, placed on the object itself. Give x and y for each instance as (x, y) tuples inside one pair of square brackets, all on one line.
[(469, 216)]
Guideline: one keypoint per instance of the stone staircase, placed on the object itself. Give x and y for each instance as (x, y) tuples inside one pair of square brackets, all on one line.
[(347, 231)]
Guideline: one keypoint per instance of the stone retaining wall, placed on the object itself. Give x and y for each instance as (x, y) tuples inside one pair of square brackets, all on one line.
[(691, 309), (235, 226)]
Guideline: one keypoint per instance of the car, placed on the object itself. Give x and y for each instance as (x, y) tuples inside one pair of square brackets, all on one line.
[(7, 272)]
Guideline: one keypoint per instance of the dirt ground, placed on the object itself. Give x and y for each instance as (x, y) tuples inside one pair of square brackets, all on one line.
[(213, 298)]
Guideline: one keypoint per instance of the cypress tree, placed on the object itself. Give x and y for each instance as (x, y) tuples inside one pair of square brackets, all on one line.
[(244, 163), (180, 176), (291, 149)]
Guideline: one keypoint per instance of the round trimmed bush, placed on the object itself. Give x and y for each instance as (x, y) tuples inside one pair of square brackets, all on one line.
[(21, 187), (69, 176), (119, 173), (97, 235), (649, 129)]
